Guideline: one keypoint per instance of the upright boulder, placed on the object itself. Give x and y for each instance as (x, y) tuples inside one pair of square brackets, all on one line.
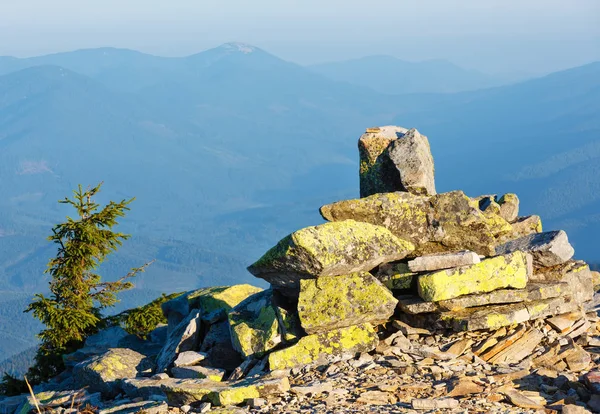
[(184, 337), (254, 325), (328, 249), (332, 302), (547, 249), (395, 159), (441, 223)]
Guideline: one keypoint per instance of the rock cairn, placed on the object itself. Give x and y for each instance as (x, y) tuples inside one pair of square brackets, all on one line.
[(405, 299)]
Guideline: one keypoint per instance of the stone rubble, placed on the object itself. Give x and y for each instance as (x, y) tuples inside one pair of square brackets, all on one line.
[(404, 301)]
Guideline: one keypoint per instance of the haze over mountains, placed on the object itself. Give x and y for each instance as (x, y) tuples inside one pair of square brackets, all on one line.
[(228, 150)]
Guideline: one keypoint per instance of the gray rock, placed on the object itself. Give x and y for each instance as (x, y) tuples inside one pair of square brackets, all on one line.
[(159, 334), (411, 155), (107, 338), (175, 310), (147, 407), (443, 261), (144, 387), (547, 249), (187, 358), (197, 372), (218, 347), (10, 404), (509, 207), (104, 373), (184, 337)]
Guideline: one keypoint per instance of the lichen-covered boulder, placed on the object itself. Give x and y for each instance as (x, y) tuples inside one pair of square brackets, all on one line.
[(327, 346), (332, 302), (512, 270), (547, 249), (395, 159), (328, 249), (213, 302), (104, 373), (254, 325), (377, 173), (184, 337), (440, 223)]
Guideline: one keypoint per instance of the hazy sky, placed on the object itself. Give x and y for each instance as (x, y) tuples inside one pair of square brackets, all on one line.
[(491, 35)]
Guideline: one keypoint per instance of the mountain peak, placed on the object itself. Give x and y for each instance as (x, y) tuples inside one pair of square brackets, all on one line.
[(239, 47)]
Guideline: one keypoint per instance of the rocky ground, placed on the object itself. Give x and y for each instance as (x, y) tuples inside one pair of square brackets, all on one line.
[(405, 300)]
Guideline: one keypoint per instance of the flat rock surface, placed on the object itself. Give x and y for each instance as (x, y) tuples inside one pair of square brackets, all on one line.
[(547, 249), (329, 249)]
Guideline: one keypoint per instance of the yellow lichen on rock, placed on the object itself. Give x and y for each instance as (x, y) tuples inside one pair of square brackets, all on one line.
[(353, 339), (495, 273), (254, 325), (332, 302), (329, 249), (220, 297)]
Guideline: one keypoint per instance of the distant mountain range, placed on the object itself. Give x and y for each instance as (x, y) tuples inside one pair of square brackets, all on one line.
[(230, 149), (389, 75)]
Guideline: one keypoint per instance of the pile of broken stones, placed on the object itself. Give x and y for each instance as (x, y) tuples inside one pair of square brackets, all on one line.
[(405, 300)]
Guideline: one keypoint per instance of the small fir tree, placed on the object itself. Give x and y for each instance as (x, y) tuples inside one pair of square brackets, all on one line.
[(73, 310)]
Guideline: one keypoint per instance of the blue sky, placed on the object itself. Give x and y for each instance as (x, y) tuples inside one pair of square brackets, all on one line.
[(530, 36)]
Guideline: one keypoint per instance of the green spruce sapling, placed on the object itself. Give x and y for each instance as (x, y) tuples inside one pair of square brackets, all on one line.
[(78, 296)]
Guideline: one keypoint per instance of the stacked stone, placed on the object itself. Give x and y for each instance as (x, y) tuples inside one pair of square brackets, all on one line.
[(444, 259), (399, 253)]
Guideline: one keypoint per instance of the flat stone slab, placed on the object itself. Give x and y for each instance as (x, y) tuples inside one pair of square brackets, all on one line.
[(104, 373), (443, 261), (499, 272), (547, 249), (187, 358), (182, 392), (446, 222), (329, 249), (533, 292), (415, 305), (197, 372), (495, 317), (326, 347), (332, 302)]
